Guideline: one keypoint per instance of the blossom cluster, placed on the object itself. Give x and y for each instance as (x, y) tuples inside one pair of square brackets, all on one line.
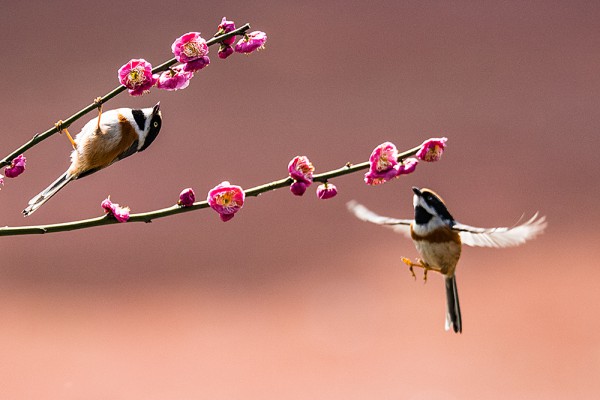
[(300, 169), (191, 51), (384, 164)]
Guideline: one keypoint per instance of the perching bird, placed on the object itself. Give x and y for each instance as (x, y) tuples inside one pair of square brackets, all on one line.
[(439, 238), (114, 135)]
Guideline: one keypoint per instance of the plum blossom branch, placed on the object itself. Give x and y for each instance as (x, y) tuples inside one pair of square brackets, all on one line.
[(147, 217), (39, 137)]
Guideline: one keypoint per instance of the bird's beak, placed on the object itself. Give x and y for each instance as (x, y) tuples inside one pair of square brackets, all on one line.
[(416, 191), (156, 108)]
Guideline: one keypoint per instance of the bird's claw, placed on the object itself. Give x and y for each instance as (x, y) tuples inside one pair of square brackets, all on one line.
[(420, 263), (410, 264), (60, 130)]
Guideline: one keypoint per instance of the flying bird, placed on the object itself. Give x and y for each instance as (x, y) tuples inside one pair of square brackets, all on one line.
[(438, 238)]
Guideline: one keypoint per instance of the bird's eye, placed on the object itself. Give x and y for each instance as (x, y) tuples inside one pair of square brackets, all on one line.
[(155, 124)]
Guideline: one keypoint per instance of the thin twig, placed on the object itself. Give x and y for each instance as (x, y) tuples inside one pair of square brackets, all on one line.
[(165, 212)]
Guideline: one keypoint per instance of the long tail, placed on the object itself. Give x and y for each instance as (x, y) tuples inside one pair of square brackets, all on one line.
[(453, 317), (47, 193)]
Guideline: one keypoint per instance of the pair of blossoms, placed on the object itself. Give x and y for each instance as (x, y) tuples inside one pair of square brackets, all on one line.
[(227, 199), (191, 51), (384, 165)]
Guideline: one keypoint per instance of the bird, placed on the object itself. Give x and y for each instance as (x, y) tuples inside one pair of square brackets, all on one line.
[(112, 136), (438, 238)]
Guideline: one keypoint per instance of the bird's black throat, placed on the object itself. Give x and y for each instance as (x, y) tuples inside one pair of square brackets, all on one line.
[(422, 216)]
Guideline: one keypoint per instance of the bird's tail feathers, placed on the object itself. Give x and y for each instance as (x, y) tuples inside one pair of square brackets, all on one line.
[(453, 316), (47, 193)]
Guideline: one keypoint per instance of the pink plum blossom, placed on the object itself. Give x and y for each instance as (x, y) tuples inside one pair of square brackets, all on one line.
[(16, 168), (137, 76), (196, 65), (121, 214), (226, 27), (432, 149), (383, 164), (1, 180), (187, 197), (251, 41), (174, 78), (189, 47), (326, 191), (301, 169), (226, 199), (407, 166)]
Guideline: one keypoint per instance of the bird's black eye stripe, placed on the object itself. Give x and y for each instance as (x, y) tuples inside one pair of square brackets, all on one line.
[(140, 118), (439, 207)]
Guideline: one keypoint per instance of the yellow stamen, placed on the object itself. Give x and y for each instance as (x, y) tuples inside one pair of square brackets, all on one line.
[(191, 49), (225, 199), (136, 76)]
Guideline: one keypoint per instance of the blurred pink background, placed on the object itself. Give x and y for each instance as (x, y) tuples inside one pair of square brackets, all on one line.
[(295, 298)]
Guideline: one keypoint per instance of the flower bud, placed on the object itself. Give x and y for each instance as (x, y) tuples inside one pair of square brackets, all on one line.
[(187, 197), (326, 191), (298, 188)]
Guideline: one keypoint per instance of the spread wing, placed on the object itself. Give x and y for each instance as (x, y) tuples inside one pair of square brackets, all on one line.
[(501, 237), (363, 213), (469, 235)]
